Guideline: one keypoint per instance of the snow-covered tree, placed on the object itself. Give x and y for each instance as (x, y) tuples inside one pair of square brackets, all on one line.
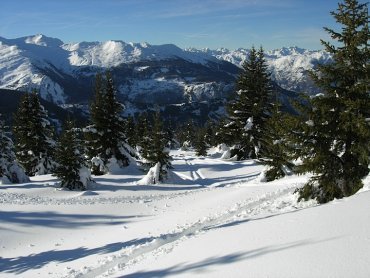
[(251, 108), (10, 170), (72, 168), (105, 136), (335, 140), (33, 136), (156, 152)]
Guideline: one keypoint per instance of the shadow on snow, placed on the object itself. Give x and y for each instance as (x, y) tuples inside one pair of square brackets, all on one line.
[(204, 266), (36, 261), (57, 220)]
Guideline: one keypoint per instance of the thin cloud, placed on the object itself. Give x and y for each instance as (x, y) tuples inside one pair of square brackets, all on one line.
[(206, 7)]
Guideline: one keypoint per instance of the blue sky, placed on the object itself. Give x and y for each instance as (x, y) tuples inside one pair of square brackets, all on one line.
[(186, 23)]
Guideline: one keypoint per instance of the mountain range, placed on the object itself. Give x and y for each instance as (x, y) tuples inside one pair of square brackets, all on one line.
[(143, 73)]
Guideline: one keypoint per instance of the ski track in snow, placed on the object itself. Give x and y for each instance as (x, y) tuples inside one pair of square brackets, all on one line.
[(166, 242)]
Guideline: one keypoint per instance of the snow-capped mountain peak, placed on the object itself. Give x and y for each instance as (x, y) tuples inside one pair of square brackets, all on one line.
[(43, 40), (47, 63)]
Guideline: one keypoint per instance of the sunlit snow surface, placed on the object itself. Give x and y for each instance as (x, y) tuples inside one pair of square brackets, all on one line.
[(213, 218)]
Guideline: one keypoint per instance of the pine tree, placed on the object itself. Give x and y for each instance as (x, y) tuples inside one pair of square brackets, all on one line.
[(105, 137), (276, 154), (335, 142), (156, 149), (210, 133), (34, 136), (224, 134), (72, 169), (200, 142), (10, 170), (130, 128), (251, 108), (142, 134), (186, 135)]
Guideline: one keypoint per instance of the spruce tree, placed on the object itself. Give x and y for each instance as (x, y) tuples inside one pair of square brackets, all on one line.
[(105, 138), (335, 140), (200, 142), (10, 170), (130, 128), (142, 134), (156, 150), (277, 152), (251, 108), (72, 169), (224, 134), (186, 135), (33, 136), (210, 133)]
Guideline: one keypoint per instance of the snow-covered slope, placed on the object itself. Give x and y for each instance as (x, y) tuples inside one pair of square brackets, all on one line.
[(60, 69), (114, 53), (213, 218), (23, 60)]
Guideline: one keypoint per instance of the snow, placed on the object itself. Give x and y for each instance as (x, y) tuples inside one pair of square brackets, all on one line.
[(20, 60), (152, 177), (211, 218), (249, 124), (289, 65), (113, 53), (33, 61)]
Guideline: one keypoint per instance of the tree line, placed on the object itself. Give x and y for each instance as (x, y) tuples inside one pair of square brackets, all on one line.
[(328, 138)]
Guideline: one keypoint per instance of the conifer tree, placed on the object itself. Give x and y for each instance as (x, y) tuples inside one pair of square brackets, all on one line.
[(10, 170), (224, 134), (276, 154), (105, 137), (210, 133), (200, 142), (156, 149), (251, 108), (142, 134), (335, 140), (186, 135), (130, 128), (34, 136), (72, 169)]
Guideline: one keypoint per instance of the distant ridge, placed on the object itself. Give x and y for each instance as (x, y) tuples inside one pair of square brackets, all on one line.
[(63, 72)]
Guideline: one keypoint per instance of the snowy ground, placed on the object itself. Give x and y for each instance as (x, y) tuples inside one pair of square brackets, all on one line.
[(213, 218)]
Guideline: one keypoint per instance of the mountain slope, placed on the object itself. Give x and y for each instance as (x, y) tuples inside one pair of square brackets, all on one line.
[(143, 73)]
